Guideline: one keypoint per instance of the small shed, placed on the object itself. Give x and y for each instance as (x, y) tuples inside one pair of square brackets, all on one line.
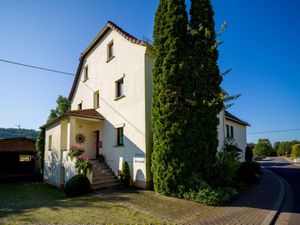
[(17, 157)]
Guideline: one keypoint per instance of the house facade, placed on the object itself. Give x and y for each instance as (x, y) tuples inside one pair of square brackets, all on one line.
[(110, 113)]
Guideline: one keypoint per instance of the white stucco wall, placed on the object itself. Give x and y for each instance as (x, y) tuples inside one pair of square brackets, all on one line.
[(240, 136), (221, 130), (128, 111), (52, 158)]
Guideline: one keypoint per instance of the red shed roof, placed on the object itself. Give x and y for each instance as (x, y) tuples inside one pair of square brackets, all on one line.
[(17, 145)]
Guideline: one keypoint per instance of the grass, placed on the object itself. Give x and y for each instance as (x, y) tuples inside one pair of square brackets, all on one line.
[(29, 203), (38, 203)]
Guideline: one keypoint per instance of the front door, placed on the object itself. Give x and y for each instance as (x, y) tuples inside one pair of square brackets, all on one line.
[(97, 142)]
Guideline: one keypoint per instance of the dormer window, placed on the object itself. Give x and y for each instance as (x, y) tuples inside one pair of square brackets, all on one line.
[(110, 51), (86, 73)]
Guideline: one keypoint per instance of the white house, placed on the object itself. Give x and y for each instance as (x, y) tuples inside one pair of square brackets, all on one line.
[(111, 111)]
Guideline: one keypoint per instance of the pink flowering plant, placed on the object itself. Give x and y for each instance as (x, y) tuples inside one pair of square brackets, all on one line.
[(83, 165), (75, 151)]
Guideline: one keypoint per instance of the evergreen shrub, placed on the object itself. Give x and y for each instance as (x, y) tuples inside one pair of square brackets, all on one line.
[(77, 186), (249, 172), (125, 174)]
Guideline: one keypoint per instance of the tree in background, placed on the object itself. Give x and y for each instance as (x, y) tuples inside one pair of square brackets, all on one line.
[(276, 145), (263, 148), (40, 147), (295, 151), (171, 94), (208, 101), (63, 105), (285, 148)]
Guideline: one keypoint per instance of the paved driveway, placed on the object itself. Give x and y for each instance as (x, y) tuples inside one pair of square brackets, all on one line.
[(291, 174)]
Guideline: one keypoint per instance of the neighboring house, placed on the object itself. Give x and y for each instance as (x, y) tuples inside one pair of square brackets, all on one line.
[(111, 101), (235, 129), (17, 157)]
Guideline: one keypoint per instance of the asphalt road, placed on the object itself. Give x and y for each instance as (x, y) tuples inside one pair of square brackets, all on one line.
[(291, 174)]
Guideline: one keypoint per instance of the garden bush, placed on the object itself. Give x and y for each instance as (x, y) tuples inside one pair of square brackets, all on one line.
[(296, 151), (125, 174), (209, 195), (227, 163), (77, 186), (249, 172)]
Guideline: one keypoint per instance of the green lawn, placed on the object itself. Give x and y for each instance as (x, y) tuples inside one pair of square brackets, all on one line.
[(37, 203)]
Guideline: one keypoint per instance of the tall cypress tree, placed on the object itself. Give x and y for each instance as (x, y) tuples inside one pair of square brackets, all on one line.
[(207, 80), (170, 97)]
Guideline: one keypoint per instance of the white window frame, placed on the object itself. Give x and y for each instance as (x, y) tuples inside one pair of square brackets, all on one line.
[(119, 143), (96, 99), (110, 50), (86, 73)]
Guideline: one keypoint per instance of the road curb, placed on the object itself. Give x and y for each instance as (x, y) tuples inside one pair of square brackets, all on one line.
[(271, 217)]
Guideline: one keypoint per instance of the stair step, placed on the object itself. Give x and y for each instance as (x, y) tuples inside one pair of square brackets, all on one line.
[(100, 166), (105, 185), (102, 176), (104, 179), (103, 171)]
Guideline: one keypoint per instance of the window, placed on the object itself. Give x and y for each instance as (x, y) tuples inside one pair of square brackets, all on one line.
[(50, 142), (24, 158), (229, 131), (110, 50), (120, 136), (79, 106), (86, 73), (120, 88), (96, 100)]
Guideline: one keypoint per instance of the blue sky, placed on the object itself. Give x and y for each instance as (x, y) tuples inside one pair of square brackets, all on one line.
[(260, 46)]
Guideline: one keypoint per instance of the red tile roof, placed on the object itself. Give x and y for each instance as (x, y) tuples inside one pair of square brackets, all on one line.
[(22, 145), (85, 113), (109, 26)]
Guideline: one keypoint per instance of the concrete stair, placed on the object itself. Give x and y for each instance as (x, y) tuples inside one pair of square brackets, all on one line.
[(103, 177)]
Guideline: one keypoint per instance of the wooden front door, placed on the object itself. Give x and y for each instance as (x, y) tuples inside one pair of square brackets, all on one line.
[(97, 142)]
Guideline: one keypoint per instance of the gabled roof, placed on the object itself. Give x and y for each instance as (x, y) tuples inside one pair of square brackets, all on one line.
[(235, 119), (85, 113), (109, 26)]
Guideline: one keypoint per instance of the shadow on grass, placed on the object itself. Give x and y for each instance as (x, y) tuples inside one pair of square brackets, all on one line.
[(19, 197)]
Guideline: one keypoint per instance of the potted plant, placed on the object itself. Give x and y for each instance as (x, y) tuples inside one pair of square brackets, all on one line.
[(75, 151), (83, 165)]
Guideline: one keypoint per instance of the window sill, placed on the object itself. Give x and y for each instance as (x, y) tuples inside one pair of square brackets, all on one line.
[(118, 146), (108, 60), (119, 97)]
